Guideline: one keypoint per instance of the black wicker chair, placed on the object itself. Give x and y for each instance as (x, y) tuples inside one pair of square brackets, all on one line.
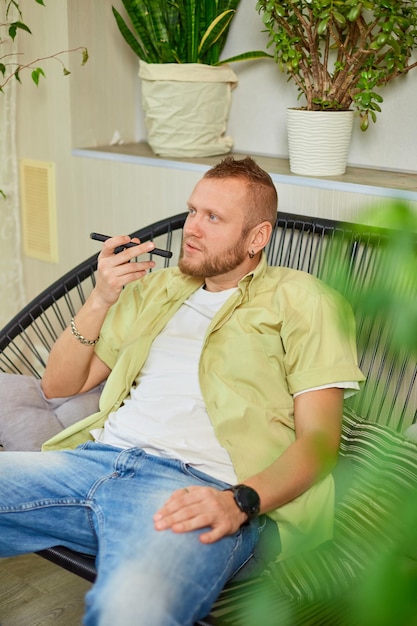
[(317, 246)]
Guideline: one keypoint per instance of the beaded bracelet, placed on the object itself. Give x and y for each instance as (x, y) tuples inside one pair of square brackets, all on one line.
[(79, 337)]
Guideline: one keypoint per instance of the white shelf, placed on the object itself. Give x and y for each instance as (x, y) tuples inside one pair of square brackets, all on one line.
[(401, 185)]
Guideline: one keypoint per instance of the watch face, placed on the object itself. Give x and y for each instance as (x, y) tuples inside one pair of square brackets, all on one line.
[(247, 500)]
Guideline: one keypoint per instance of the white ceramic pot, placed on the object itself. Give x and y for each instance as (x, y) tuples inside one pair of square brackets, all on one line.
[(319, 141), (186, 108)]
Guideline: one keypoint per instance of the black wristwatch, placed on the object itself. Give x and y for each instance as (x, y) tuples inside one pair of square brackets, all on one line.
[(247, 500)]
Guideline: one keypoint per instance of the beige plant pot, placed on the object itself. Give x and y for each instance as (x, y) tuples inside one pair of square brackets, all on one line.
[(319, 141), (186, 108)]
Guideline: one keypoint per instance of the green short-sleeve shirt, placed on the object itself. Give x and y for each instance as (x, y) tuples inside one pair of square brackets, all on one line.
[(282, 331)]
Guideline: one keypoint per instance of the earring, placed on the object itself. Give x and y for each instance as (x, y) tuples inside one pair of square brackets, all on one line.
[(251, 254)]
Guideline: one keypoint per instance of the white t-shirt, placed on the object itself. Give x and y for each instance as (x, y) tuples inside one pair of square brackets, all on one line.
[(165, 413)]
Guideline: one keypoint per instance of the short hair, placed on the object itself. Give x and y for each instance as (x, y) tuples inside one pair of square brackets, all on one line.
[(263, 194)]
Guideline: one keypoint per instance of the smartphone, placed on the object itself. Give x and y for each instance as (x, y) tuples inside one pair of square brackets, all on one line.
[(165, 253)]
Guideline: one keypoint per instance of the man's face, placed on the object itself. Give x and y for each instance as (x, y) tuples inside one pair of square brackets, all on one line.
[(213, 244)]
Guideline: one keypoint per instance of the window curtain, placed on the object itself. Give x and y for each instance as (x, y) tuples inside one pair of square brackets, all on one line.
[(12, 295)]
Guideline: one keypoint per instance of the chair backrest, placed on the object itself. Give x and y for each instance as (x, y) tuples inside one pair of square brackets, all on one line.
[(317, 246)]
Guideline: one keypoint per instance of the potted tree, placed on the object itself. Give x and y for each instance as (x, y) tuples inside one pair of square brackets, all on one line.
[(186, 89), (339, 54)]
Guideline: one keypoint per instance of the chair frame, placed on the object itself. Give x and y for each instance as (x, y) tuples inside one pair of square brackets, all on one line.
[(298, 241)]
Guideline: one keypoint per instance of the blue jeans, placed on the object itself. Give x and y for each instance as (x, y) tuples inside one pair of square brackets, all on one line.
[(100, 500)]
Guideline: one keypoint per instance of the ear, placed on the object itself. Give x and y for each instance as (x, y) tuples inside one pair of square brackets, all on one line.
[(260, 236)]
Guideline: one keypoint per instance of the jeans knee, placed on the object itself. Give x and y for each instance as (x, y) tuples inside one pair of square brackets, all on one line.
[(132, 597)]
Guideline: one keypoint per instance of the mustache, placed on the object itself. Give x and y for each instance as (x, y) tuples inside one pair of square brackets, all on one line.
[(192, 242)]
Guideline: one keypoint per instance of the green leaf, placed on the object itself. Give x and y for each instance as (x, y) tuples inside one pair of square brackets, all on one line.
[(215, 30), (340, 19), (2, 68), (354, 13), (85, 56), (387, 26), (377, 96), (322, 26), (14, 26), (130, 38), (246, 56), (374, 107), (12, 31), (36, 74), (394, 45), (65, 71), (190, 16), (382, 38)]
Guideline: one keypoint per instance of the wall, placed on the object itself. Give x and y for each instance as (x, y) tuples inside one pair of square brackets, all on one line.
[(89, 106)]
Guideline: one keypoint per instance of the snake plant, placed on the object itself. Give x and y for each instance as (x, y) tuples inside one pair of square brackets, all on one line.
[(179, 31), (11, 25)]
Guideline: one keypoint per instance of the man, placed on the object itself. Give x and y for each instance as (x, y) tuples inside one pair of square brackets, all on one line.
[(223, 402)]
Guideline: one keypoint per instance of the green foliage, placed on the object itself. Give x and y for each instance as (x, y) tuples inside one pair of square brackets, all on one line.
[(392, 295), (388, 593), (179, 31), (14, 26), (340, 53), (11, 28), (36, 73)]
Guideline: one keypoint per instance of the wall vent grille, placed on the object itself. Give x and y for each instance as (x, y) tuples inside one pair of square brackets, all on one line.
[(38, 199)]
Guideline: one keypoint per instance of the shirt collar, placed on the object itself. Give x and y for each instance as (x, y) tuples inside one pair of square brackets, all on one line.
[(250, 281)]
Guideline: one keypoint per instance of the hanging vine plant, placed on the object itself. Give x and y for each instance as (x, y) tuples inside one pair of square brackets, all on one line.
[(10, 26), (9, 30)]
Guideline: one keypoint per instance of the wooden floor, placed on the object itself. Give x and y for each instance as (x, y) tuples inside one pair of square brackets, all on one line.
[(35, 592)]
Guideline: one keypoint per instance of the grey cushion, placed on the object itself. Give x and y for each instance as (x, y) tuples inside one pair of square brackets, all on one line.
[(27, 418)]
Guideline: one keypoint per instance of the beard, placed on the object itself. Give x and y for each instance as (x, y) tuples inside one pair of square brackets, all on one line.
[(214, 265)]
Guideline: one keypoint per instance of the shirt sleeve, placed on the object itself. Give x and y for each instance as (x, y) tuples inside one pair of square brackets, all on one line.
[(117, 324), (319, 338), (350, 388)]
